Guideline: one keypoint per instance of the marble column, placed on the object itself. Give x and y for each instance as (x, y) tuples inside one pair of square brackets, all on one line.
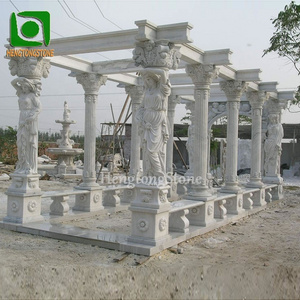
[(173, 100), (189, 144), (91, 84), (92, 201), (256, 99), (136, 94), (24, 194), (233, 91), (202, 76)]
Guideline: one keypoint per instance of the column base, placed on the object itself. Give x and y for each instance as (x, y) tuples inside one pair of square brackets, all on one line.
[(24, 199), (88, 183), (200, 193), (255, 183), (273, 179), (231, 187), (91, 201)]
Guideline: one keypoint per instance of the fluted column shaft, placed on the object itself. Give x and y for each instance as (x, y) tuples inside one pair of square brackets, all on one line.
[(136, 94), (233, 90), (256, 100), (91, 84), (202, 76), (172, 102)]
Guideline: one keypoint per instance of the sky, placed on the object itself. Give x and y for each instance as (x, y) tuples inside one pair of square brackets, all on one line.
[(243, 26)]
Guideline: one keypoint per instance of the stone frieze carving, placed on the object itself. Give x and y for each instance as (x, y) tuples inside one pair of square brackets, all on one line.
[(215, 109), (160, 53)]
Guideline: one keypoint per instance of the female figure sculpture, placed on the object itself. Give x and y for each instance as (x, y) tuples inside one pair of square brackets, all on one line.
[(152, 118), (28, 92), (273, 146)]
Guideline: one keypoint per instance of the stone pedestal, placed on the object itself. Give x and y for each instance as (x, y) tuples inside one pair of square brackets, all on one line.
[(150, 215), (91, 201), (24, 199)]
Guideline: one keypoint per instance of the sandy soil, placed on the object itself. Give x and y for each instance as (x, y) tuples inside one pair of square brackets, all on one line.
[(255, 258)]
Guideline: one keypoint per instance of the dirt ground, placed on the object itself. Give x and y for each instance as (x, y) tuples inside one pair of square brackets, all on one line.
[(255, 258)]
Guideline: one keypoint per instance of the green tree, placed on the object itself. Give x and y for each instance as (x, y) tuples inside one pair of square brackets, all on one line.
[(8, 146), (286, 38)]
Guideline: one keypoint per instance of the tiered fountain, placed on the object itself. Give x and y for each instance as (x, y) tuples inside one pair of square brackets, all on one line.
[(65, 150)]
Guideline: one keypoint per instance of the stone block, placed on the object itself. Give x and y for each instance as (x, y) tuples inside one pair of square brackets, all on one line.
[(202, 215), (91, 201), (234, 204)]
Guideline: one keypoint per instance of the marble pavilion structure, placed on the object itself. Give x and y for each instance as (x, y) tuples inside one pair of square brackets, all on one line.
[(165, 69)]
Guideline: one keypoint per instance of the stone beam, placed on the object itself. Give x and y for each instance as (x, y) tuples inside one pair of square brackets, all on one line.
[(248, 75), (78, 65), (175, 33), (116, 40), (116, 66), (268, 86), (218, 57), (71, 63), (122, 39), (123, 78), (286, 95)]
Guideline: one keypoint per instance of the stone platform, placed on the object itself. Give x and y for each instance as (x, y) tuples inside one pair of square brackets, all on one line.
[(64, 228)]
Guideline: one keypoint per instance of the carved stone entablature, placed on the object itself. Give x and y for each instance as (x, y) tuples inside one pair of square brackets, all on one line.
[(202, 75), (245, 109), (160, 53), (215, 109), (257, 99), (136, 93), (233, 89), (91, 82), (29, 67)]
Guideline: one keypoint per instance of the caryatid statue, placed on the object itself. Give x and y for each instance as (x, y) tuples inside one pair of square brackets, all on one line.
[(157, 57), (273, 146), (28, 91)]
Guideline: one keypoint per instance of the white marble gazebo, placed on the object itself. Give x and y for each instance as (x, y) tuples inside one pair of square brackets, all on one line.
[(166, 68)]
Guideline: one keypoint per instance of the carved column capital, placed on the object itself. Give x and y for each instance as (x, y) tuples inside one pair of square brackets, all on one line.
[(136, 93), (159, 53), (29, 67), (233, 89), (275, 106), (91, 82), (202, 75), (257, 98)]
